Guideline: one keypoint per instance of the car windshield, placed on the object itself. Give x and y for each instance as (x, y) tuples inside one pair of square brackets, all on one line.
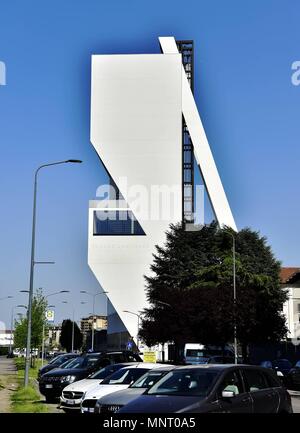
[(124, 376), (83, 362), (55, 360), (66, 363), (74, 363), (62, 360), (148, 379), (104, 372), (196, 382), (58, 360), (297, 364)]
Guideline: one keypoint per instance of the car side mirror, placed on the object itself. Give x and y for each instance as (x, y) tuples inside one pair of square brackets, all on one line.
[(228, 394)]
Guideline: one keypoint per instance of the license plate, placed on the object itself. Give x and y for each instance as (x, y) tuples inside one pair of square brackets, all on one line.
[(91, 410), (49, 385), (70, 401)]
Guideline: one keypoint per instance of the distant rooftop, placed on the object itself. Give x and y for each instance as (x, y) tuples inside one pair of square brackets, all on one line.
[(289, 275)]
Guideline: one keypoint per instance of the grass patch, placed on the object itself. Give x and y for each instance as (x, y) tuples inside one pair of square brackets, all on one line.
[(33, 371), (33, 407), (27, 400), (25, 394)]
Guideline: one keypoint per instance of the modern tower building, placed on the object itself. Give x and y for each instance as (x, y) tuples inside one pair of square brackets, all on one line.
[(146, 129)]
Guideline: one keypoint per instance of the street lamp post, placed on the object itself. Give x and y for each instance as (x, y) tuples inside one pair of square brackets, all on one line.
[(234, 298), (163, 344), (73, 328), (93, 322), (138, 326), (32, 263)]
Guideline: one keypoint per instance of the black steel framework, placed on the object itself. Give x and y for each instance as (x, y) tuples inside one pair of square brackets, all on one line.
[(186, 48)]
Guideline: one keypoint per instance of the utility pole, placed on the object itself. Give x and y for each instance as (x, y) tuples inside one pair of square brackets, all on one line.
[(33, 263)]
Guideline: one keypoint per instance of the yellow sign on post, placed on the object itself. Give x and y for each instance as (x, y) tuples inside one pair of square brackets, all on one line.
[(149, 357)]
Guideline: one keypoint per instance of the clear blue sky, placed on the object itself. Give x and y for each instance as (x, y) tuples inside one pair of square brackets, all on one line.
[(250, 110)]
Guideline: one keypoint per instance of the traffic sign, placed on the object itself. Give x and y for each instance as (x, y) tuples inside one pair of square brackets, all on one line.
[(49, 315), (149, 357)]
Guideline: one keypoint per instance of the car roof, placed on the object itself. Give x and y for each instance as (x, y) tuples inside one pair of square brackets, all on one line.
[(139, 365), (164, 367)]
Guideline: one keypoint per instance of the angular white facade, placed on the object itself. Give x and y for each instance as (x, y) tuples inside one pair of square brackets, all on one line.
[(137, 103)]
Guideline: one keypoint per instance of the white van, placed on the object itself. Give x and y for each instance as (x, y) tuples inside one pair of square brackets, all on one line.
[(195, 353)]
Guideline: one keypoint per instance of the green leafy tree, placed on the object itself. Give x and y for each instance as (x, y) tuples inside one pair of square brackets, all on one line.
[(38, 319), (66, 335), (190, 290)]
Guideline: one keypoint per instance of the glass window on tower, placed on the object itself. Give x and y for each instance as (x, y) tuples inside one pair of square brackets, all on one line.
[(116, 222)]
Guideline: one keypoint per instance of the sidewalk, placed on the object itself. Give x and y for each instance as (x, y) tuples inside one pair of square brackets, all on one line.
[(8, 383)]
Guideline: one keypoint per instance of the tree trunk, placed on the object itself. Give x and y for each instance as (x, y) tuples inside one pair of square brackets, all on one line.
[(178, 352), (163, 352), (245, 354)]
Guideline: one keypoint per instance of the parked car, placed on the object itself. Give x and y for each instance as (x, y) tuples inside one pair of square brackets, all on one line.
[(113, 402), (121, 379), (293, 377), (282, 368), (283, 365), (72, 394), (52, 383), (56, 363), (214, 388)]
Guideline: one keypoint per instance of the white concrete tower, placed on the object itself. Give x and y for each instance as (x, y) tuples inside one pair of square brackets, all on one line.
[(137, 103)]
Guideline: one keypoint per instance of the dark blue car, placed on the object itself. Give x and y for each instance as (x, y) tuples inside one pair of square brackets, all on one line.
[(214, 388)]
